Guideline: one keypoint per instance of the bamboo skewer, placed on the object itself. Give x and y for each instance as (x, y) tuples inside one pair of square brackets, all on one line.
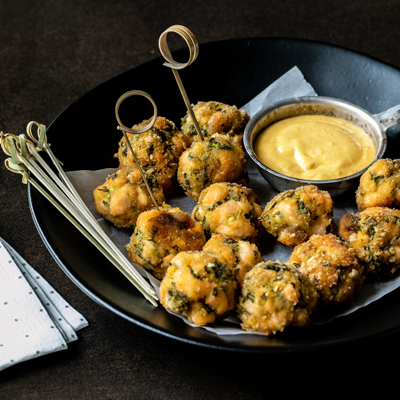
[(24, 159), (124, 130), (191, 41)]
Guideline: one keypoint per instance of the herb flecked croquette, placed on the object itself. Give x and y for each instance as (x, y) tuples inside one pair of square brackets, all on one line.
[(157, 150), (240, 255), (216, 159), (215, 117), (374, 234), (200, 286), (276, 296), (333, 268), (124, 196), (160, 235), (231, 210), (380, 185), (294, 215)]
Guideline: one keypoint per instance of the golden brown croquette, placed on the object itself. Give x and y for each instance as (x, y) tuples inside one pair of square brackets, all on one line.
[(200, 286), (274, 297), (332, 267), (374, 234), (380, 185), (160, 235), (295, 215), (124, 196)]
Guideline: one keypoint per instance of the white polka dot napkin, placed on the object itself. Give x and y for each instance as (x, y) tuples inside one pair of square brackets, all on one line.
[(34, 319)]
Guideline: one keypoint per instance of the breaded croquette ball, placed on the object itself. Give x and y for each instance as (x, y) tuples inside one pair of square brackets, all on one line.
[(216, 159), (240, 255), (231, 210), (215, 117), (332, 267), (374, 234), (294, 215), (274, 297), (380, 185), (160, 235), (158, 151), (124, 196), (199, 286)]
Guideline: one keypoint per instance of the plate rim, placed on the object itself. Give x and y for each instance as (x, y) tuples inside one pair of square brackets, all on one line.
[(138, 320)]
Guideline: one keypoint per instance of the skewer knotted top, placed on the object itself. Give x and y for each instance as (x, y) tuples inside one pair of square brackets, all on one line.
[(146, 128), (190, 40), (121, 126)]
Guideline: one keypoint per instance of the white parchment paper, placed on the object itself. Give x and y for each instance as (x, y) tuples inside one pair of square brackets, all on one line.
[(291, 84)]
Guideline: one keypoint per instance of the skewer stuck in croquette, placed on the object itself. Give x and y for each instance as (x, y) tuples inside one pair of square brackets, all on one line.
[(157, 150), (215, 117), (124, 196)]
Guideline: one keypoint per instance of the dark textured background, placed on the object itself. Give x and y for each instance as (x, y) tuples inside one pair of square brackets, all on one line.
[(51, 53)]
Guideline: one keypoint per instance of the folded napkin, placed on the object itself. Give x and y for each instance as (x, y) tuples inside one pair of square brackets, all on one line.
[(34, 319)]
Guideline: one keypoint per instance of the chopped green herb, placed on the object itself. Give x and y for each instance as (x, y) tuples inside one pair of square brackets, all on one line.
[(302, 207), (217, 145), (233, 195), (150, 149), (249, 296), (178, 301), (376, 178)]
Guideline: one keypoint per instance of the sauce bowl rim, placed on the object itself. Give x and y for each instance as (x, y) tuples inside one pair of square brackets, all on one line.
[(299, 101)]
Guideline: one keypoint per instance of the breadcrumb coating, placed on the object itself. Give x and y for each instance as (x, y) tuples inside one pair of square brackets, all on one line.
[(215, 117), (240, 255), (216, 159), (157, 150), (200, 286), (380, 185), (160, 235), (231, 210), (124, 196), (294, 215), (374, 234), (276, 296), (332, 267)]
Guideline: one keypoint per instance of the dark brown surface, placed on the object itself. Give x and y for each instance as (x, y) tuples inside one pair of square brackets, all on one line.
[(51, 53)]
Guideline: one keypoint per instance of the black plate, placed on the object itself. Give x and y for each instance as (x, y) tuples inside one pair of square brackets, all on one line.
[(233, 72)]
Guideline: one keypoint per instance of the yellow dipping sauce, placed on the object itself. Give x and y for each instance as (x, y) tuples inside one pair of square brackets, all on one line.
[(314, 147)]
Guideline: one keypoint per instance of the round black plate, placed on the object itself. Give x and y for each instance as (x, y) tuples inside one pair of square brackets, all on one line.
[(233, 72)]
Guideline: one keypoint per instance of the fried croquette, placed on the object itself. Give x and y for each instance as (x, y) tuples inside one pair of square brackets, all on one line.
[(231, 210), (215, 117), (199, 286), (274, 297), (124, 196), (332, 267), (294, 215), (216, 159), (160, 235), (157, 150), (380, 185), (374, 234), (240, 255)]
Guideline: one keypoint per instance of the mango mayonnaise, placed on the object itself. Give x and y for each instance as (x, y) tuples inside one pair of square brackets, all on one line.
[(314, 147)]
